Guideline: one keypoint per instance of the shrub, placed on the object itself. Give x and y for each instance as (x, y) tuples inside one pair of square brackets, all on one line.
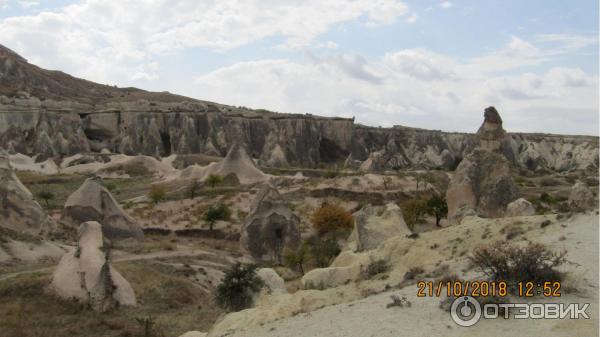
[(413, 211), (437, 206), (295, 259), (194, 188), (329, 218), (46, 196), (214, 213), (213, 180), (375, 268), (235, 292), (322, 251), (157, 193), (502, 261), (331, 174)]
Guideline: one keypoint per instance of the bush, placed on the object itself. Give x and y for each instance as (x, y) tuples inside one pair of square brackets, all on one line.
[(214, 213), (323, 251), (330, 218), (413, 211), (157, 193), (375, 268), (502, 261), (295, 259), (239, 284), (46, 196)]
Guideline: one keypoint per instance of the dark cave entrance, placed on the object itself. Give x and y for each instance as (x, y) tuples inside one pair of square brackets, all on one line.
[(330, 152), (166, 143)]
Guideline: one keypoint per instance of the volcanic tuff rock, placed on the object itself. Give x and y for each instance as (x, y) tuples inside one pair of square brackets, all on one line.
[(581, 197), (482, 183), (93, 202), (18, 211), (519, 207), (270, 227), (375, 224), (53, 114), (86, 275)]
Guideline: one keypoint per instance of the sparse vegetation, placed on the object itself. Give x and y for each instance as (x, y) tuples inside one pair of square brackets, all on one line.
[(295, 259), (194, 188), (323, 251), (376, 267), (239, 284)]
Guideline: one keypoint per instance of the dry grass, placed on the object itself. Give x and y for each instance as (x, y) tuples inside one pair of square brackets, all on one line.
[(176, 304)]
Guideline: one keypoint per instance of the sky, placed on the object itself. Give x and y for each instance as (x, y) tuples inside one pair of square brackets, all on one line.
[(433, 64)]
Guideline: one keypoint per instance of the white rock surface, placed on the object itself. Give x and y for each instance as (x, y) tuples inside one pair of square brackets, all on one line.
[(85, 274), (519, 207)]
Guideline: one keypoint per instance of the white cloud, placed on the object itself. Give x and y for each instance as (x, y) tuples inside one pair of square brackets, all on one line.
[(446, 4), (414, 87), (412, 18), (28, 3), (108, 40)]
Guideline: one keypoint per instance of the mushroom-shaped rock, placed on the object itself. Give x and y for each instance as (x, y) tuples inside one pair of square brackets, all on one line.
[(519, 207), (581, 197), (86, 275), (482, 183), (18, 211), (93, 202), (375, 224), (270, 227)]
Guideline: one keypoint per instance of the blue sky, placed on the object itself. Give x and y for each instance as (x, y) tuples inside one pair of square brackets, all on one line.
[(429, 64)]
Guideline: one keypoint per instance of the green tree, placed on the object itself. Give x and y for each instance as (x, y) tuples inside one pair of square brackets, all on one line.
[(194, 188), (157, 193), (323, 251), (216, 212), (213, 180), (239, 284), (437, 206), (46, 196)]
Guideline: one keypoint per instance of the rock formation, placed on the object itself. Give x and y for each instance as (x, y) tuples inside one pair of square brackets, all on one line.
[(270, 227), (18, 210), (581, 197), (519, 207), (239, 163), (86, 275), (54, 114), (93, 202), (482, 182), (375, 224)]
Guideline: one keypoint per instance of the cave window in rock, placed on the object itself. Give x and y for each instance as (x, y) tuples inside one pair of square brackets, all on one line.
[(330, 152)]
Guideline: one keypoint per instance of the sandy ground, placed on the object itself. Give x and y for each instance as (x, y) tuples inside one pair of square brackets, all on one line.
[(370, 317)]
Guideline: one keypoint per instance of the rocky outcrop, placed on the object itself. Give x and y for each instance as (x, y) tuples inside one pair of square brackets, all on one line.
[(581, 197), (93, 202), (375, 224), (18, 210), (86, 275), (519, 207), (270, 227), (482, 183), (50, 113)]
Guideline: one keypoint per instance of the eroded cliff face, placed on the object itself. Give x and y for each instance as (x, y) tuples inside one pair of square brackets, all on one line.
[(51, 128)]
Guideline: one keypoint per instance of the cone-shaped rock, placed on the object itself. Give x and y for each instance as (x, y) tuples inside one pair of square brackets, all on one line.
[(241, 164), (93, 202), (270, 228)]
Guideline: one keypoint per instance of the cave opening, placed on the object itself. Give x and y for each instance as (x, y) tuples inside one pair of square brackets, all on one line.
[(166, 143)]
